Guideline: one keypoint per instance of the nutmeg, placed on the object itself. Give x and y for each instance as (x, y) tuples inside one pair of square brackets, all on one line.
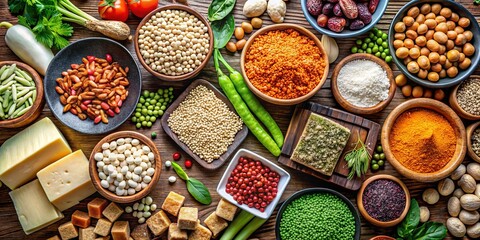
[(424, 214), (470, 202), (477, 190), (446, 187), (469, 217), (474, 231), (458, 173), (458, 193), (456, 227), (467, 183), (474, 170), (453, 206), (430, 196)]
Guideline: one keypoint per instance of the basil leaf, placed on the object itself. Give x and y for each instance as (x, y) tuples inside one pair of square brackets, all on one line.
[(179, 170), (411, 221), (219, 9), (223, 31), (430, 231), (198, 191)]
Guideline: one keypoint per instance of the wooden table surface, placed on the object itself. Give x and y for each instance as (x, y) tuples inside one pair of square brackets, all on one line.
[(10, 227)]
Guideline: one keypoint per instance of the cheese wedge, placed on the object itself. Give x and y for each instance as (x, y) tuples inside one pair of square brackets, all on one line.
[(67, 181), (30, 150), (33, 208)]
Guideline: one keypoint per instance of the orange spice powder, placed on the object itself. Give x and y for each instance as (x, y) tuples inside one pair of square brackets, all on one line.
[(284, 64), (422, 140)]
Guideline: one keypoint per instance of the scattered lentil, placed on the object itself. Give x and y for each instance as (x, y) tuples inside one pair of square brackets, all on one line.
[(476, 141), (468, 96), (384, 200), (205, 124), (284, 64), (174, 42), (317, 216)]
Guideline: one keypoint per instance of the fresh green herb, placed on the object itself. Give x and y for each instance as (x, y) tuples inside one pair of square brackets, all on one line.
[(223, 30), (219, 9), (196, 188), (409, 229), (357, 159), (476, 1)]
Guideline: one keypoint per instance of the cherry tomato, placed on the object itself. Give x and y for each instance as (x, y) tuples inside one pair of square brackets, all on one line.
[(176, 156), (141, 8), (113, 10), (188, 163)]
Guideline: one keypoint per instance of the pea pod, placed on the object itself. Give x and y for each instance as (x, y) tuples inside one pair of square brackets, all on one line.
[(255, 106)]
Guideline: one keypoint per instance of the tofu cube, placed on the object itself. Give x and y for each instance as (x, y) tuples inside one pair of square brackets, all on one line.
[(200, 233), (187, 218), (215, 223), (226, 210), (86, 233), (80, 219), (96, 207), (141, 232), (121, 230), (112, 212), (103, 227), (175, 233), (67, 231), (56, 237), (173, 203), (158, 223)]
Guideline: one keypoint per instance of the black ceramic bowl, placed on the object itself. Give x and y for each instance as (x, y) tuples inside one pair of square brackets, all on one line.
[(443, 82), (74, 53), (318, 190)]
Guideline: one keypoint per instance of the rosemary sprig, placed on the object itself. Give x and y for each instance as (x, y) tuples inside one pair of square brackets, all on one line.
[(357, 159)]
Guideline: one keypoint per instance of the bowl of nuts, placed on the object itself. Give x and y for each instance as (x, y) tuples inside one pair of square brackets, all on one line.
[(125, 166), (174, 42), (344, 18), (435, 42), (93, 85)]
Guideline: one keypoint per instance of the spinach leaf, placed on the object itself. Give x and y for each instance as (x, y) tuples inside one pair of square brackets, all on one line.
[(179, 170), (223, 31), (430, 231), (199, 191), (219, 9), (411, 221)]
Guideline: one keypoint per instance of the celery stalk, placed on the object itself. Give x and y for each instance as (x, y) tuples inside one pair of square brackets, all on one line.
[(250, 228), (236, 225)]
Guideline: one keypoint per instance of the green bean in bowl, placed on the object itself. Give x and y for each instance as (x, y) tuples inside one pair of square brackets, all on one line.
[(17, 92)]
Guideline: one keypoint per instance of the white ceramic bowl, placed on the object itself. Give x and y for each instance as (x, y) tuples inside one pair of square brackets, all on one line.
[(282, 184)]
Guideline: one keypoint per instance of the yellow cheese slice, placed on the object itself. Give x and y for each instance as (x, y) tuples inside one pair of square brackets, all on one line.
[(33, 208), (30, 150), (67, 181)]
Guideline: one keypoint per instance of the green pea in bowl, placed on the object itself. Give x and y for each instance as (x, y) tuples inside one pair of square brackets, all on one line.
[(292, 221)]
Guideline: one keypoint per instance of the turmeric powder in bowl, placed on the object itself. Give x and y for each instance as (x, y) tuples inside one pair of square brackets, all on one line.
[(422, 140), (284, 64)]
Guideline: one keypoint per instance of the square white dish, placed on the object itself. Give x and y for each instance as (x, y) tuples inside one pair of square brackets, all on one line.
[(282, 184)]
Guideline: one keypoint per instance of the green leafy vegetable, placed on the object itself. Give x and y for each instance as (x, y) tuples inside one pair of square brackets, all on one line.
[(199, 191), (219, 9), (476, 1), (411, 220), (196, 188), (430, 231), (223, 30), (357, 159), (409, 229)]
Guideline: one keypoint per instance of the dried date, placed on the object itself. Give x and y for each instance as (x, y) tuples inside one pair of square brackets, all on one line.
[(364, 14), (357, 24), (336, 24), (372, 5), (337, 10), (349, 8), (314, 7), (327, 8), (322, 20)]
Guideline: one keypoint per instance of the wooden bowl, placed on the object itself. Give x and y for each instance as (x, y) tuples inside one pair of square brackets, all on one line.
[(111, 195), (456, 107), (382, 237), (453, 119), (349, 106), (284, 26), (189, 75), (470, 130), (37, 106), (372, 220)]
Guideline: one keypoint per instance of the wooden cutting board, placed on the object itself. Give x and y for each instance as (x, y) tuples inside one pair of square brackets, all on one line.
[(359, 127)]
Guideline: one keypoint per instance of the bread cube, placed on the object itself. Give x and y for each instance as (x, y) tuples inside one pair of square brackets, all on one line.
[(96, 207), (215, 223), (200, 233), (141, 232), (112, 212), (175, 233), (121, 230), (67, 231), (187, 218), (86, 233), (226, 210), (158, 223), (80, 219), (173, 203), (103, 227), (56, 237)]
